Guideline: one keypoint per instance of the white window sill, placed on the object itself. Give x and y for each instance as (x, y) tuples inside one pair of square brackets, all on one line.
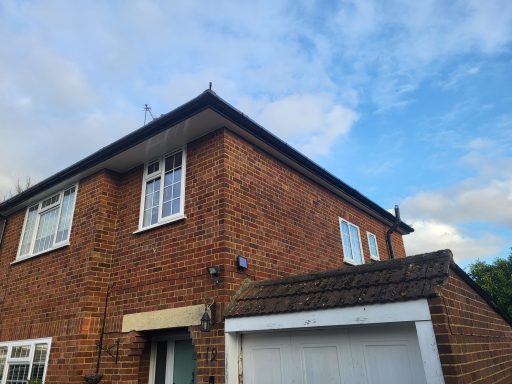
[(351, 262), (375, 258), (160, 224), (24, 258)]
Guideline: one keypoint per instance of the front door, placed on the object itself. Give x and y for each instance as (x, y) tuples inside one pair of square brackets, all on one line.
[(173, 361)]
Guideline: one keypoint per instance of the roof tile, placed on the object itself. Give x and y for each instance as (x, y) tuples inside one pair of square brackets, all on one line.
[(387, 281)]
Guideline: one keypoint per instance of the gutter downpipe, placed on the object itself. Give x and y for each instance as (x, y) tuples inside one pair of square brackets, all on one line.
[(390, 231)]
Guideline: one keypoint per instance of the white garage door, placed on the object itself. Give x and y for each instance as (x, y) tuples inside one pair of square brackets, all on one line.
[(369, 355)]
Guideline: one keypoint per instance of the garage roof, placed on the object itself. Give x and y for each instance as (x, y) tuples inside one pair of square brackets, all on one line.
[(410, 278)]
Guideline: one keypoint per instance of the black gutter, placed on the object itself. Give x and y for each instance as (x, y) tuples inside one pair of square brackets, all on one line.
[(389, 242), (207, 99)]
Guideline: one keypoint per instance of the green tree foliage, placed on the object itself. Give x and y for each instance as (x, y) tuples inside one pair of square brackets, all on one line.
[(496, 280)]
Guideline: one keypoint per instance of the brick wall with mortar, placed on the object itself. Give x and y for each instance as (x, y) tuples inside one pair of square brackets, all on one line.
[(474, 342), (238, 200), (59, 294), (283, 222)]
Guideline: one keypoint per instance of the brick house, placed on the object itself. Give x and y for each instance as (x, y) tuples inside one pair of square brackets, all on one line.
[(111, 268)]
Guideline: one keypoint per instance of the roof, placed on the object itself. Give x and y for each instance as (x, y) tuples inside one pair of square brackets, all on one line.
[(410, 278), (206, 100), (403, 279)]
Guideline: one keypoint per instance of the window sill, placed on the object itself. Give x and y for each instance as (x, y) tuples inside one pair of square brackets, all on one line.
[(374, 258), (351, 262), (25, 258), (161, 224)]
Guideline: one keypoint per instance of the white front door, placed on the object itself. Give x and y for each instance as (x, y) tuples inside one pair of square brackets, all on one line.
[(369, 355)]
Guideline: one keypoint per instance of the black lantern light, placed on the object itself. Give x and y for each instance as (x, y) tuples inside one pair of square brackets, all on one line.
[(205, 321), (209, 315)]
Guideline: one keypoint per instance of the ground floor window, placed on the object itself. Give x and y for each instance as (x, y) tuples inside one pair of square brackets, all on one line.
[(24, 361)]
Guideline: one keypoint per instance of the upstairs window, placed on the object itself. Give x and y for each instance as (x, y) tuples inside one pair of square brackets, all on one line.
[(163, 190), (48, 224), (21, 361), (372, 244), (351, 241)]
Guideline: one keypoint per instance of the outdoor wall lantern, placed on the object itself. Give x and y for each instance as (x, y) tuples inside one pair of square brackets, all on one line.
[(208, 319), (215, 274)]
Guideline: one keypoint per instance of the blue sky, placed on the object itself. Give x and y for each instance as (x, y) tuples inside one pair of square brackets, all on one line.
[(408, 102)]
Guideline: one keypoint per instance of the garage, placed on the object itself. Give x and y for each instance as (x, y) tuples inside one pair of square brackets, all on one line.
[(367, 324), (370, 355)]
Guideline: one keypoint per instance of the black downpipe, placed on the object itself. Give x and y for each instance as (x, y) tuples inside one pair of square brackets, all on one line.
[(390, 231)]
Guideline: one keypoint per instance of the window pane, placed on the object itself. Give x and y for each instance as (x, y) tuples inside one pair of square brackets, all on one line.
[(39, 361), (3, 357), (176, 190), (153, 167), (65, 215), (169, 163), (49, 201), (46, 230), (372, 243), (167, 194), (177, 175), (168, 179), (17, 374), (151, 202), (356, 244), (20, 351), (26, 243), (347, 247), (175, 206), (177, 159)]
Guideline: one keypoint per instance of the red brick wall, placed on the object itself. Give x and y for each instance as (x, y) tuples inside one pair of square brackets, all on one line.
[(474, 342), (238, 200), (284, 223), (60, 293)]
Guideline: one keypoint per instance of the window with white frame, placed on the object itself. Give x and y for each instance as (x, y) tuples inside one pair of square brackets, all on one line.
[(163, 190), (21, 361), (48, 223), (372, 244), (351, 241)]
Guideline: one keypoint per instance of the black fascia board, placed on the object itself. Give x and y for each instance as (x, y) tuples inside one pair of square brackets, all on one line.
[(207, 99)]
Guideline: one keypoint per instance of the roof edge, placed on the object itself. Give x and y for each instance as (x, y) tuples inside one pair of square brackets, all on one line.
[(481, 292), (207, 99)]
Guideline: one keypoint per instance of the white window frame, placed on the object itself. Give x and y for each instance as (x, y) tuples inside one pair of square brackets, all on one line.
[(29, 359), (377, 256), (347, 259), (40, 211), (160, 174)]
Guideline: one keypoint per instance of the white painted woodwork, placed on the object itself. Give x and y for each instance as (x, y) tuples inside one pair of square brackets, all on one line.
[(365, 314)]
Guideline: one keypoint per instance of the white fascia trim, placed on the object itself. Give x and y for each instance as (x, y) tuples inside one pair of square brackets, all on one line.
[(414, 310)]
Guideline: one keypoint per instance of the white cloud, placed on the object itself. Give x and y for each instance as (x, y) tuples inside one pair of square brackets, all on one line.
[(432, 235), (449, 217), (455, 78), (312, 122), (468, 201)]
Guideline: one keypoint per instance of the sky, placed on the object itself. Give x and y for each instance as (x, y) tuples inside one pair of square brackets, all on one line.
[(409, 102)]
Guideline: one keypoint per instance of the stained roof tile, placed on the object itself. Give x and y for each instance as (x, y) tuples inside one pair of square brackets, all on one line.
[(410, 278)]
